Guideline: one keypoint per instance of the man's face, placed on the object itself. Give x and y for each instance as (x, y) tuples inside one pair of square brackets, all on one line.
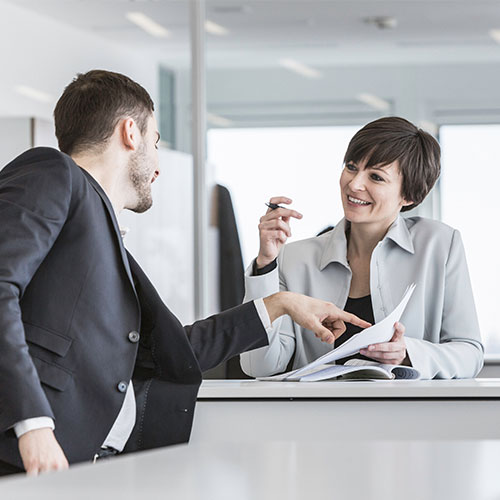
[(143, 168)]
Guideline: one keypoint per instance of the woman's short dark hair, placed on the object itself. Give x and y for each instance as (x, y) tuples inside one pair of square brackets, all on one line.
[(391, 139), (91, 106)]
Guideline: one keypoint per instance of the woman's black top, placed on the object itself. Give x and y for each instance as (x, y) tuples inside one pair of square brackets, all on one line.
[(362, 308)]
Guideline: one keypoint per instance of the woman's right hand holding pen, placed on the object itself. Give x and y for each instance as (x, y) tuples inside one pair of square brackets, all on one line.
[(274, 229)]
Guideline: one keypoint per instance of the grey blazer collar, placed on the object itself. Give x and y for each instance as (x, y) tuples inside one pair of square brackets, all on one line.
[(336, 246)]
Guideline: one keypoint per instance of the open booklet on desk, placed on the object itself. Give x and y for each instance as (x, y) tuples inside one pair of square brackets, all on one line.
[(357, 369), (323, 367)]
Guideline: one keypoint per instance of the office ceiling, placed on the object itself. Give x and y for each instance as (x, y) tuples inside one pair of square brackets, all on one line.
[(318, 32)]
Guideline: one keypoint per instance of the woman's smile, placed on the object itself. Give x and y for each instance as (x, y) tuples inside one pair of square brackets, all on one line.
[(357, 202)]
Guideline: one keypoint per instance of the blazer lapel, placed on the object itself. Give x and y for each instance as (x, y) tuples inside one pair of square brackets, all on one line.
[(111, 214)]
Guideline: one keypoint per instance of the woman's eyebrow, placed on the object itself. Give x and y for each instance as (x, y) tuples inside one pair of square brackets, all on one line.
[(378, 167)]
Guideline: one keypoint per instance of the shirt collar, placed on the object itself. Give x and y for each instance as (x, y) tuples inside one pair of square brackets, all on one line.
[(336, 247), (400, 234)]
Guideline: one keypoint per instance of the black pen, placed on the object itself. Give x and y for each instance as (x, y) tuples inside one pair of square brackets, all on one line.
[(273, 206)]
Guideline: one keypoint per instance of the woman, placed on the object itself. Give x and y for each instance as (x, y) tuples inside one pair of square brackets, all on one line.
[(366, 262)]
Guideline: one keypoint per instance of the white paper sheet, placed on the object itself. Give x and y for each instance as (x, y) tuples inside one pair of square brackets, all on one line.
[(380, 332)]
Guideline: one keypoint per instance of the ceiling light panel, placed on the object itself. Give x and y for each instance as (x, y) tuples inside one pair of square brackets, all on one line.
[(495, 34), (300, 68), (215, 29), (218, 120), (147, 24), (32, 93), (374, 101)]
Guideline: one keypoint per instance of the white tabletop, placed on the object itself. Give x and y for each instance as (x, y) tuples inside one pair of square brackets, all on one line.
[(293, 471), (487, 388)]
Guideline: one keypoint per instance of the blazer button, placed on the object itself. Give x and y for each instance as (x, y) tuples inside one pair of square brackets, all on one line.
[(134, 337), (122, 386)]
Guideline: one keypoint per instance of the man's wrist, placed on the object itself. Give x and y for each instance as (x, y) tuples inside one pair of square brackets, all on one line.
[(276, 305), (32, 424)]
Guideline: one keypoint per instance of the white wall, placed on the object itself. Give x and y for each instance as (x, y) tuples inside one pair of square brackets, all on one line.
[(45, 54), (15, 137), (161, 239)]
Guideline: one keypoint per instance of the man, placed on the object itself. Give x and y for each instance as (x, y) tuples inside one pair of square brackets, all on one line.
[(92, 363)]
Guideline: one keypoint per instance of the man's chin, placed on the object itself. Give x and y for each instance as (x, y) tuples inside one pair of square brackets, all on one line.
[(142, 206)]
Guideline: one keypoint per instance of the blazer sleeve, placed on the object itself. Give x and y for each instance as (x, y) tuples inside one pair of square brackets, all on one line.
[(275, 357), (226, 334), (35, 193), (459, 353)]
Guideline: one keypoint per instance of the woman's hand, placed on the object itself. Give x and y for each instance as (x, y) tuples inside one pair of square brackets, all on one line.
[(274, 229), (389, 353)]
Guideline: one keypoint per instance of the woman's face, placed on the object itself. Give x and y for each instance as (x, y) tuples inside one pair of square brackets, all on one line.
[(373, 194)]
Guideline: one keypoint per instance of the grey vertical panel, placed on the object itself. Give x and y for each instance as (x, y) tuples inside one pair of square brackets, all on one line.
[(197, 14)]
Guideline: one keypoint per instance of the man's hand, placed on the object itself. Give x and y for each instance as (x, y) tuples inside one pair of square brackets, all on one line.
[(274, 229), (389, 353), (41, 452), (325, 319)]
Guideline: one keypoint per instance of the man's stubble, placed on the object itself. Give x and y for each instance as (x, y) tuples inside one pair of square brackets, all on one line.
[(140, 176)]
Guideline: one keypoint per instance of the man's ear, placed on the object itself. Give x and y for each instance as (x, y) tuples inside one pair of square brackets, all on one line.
[(130, 134)]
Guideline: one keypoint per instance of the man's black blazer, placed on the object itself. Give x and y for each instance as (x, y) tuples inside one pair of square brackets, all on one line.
[(71, 299)]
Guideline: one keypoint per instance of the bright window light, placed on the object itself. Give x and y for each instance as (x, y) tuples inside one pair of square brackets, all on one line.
[(301, 163), (471, 174)]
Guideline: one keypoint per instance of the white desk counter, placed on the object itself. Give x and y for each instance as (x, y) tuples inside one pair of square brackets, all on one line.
[(442, 389), (393, 470), (252, 411)]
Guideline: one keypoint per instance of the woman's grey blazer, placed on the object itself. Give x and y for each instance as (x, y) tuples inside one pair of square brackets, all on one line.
[(442, 332)]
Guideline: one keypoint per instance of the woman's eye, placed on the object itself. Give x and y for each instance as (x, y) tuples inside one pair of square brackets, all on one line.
[(377, 178), (350, 167)]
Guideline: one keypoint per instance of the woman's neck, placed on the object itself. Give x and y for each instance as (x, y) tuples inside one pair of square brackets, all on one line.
[(363, 238)]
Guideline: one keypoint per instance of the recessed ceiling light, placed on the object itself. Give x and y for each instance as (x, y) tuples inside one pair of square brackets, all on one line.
[(232, 9), (300, 68), (495, 34), (32, 93), (218, 120), (215, 29), (382, 22), (374, 101), (147, 24)]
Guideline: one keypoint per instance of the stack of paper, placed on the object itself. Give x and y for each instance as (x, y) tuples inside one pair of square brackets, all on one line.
[(380, 332)]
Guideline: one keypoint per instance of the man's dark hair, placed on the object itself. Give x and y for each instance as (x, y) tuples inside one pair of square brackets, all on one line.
[(391, 139), (91, 106)]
